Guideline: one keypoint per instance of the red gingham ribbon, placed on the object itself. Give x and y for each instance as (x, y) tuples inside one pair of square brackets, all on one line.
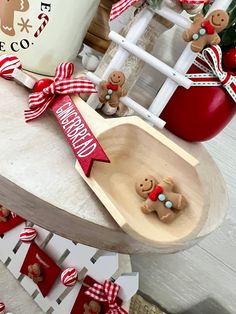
[(210, 62), (120, 7), (107, 293), (62, 85)]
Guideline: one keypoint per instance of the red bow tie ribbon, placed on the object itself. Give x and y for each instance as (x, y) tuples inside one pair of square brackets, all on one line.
[(63, 85), (155, 193), (106, 293), (210, 62), (210, 30)]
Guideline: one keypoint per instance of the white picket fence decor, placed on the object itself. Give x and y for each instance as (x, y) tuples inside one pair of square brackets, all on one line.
[(89, 261), (176, 76)]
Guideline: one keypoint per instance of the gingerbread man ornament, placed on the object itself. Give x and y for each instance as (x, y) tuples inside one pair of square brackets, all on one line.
[(204, 31), (4, 214), (35, 273), (92, 307), (160, 197), (7, 12), (111, 90)]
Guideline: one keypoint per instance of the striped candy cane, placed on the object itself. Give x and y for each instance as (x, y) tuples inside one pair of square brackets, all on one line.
[(45, 19)]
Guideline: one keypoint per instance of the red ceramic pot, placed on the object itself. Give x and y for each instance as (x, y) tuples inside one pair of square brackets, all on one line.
[(200, 113)]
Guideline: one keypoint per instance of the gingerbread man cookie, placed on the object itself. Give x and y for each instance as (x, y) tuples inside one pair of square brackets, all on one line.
[(160, 197), (204, 32), (7, 12), (92, 307), (4, 214), (35, 273), (111, 90)]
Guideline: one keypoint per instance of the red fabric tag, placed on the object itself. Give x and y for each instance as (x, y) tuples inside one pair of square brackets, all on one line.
[(84, 144), (12, 222), (50, 270), (82, 298)]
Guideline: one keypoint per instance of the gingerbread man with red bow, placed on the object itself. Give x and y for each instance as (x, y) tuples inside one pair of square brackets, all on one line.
[(160, 198), (92, 307), (204, 31), (111, 90), (35, 273), (4, 214), (7, 12)]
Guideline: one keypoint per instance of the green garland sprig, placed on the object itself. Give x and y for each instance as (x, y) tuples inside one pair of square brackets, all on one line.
[(154, 4)]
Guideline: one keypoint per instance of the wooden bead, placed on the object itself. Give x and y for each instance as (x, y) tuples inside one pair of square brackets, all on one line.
[(41, 84)]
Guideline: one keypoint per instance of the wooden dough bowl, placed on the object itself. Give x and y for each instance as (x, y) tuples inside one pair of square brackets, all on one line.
[(136, 148)]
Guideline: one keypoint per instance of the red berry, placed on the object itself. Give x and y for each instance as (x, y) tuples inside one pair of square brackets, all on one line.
[(229, 59), (41, 84)]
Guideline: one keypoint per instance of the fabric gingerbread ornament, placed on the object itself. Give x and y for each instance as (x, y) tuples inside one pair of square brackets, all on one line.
[(8, 220), (160, 197), (112, 90), (204, 31)]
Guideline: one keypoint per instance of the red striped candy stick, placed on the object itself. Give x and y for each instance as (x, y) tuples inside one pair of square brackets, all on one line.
[(45, 19), (8, 64)]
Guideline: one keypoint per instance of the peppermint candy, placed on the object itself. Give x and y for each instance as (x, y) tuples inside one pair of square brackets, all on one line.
[(8, 64), (2, 308), (28, 235), (69, 277)]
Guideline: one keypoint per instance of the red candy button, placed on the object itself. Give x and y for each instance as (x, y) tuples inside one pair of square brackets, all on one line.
[(41, 84)]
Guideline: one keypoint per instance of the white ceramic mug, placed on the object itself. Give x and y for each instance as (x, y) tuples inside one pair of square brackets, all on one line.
[(44, 33)]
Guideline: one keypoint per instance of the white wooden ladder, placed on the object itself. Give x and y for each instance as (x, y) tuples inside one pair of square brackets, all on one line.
[(175, 76)]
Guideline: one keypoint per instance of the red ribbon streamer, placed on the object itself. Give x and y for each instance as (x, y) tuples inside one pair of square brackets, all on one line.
[(62, 85), (107, 293), (210, 62)]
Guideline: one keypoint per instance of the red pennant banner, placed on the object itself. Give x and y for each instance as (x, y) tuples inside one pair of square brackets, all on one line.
[(84, 144)]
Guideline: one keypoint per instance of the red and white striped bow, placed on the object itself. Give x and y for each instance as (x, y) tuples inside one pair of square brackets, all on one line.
[(210, 62), (106, 293), (120, 7), (8, 64), (63, 85)]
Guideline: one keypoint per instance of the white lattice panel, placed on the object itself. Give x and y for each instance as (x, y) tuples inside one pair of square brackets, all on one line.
[(89, 261)]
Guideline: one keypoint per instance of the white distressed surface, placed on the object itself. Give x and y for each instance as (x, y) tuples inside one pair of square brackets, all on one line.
[(201, 280)]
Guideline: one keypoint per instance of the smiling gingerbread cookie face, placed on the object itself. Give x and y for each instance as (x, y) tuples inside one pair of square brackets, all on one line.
[(117, 78), (145, 185), (219, 20)]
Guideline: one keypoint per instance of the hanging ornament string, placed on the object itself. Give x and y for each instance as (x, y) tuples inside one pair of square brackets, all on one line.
[(8, 64), (63, 84), (106, 293), (210, 62)]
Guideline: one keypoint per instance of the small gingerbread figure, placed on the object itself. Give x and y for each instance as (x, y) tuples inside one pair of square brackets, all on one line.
[(92, 307), (160, 197), (35, 272), (4, 214), (204, 31), (7, 12), (111, 90)]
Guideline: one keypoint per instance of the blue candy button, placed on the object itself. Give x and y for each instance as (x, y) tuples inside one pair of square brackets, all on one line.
[(169, 204), (161, 197), (110, 91), (108, 97), (195, 36), (202, 31)]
